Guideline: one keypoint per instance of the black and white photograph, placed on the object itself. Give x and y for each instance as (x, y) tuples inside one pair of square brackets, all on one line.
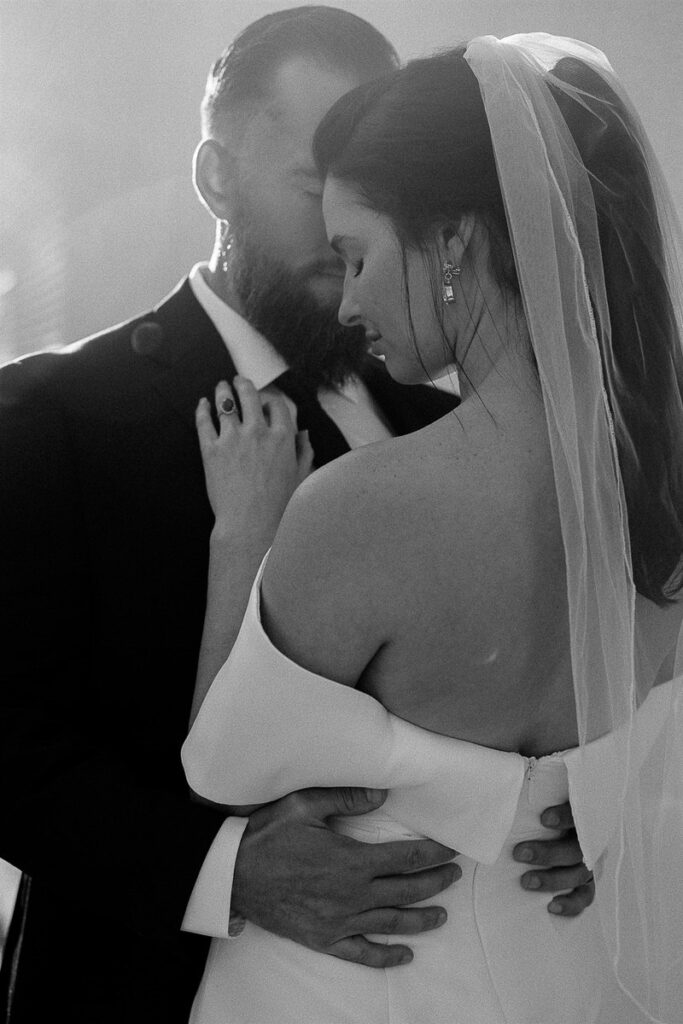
[(341, 512)]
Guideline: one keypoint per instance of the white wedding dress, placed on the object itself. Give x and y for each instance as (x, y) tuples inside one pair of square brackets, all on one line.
[(269, 727)]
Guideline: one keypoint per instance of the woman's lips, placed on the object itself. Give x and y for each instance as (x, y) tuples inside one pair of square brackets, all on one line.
[(374, 337)]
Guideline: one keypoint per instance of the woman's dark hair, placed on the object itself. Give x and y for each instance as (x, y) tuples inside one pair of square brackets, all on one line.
[(415, 146)]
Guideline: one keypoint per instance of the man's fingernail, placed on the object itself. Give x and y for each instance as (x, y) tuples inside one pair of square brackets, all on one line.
[(526, 854), (551, 819), (531, 881), (554, 907), (374, 794), (406, 957)]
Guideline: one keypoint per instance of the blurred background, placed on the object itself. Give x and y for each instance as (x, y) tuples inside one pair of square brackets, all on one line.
[(99, 118)]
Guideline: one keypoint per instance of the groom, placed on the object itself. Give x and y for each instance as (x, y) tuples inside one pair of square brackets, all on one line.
[(104, 529)]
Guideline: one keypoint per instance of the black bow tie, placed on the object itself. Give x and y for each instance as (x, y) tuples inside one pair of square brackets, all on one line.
[(326, 438)]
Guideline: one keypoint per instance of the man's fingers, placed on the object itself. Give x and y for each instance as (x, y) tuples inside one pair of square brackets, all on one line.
[(557, 879), (397, 858), (573, 903), (399, 921), (402, 890), (552, 853), (359, 950), (559, 817), (320, 804)]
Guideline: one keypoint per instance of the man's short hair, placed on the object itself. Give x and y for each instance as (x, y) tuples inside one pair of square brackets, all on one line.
[(240, 80)]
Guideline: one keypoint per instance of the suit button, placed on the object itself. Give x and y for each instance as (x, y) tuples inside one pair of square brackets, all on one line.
[(147, 339)]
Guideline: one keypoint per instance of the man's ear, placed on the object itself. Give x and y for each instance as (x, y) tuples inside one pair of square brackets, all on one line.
[(214, 178), (455, 238)]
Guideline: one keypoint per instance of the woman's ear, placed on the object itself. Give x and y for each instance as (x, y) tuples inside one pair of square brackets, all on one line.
[(214, 178), (455, 238)]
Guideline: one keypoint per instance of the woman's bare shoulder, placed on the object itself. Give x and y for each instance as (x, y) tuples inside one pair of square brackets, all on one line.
[(325, 576)]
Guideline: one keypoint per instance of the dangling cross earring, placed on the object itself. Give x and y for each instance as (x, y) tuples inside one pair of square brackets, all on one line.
[(449, 272)]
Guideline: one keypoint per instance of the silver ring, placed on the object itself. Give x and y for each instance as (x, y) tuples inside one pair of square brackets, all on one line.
[(227, 407)]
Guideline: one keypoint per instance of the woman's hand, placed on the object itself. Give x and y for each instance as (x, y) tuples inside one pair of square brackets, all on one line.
[(253, 464)]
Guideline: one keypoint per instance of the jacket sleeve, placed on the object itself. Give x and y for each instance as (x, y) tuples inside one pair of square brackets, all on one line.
[(78, 810)]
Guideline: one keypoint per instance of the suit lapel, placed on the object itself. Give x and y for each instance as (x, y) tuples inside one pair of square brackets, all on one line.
[(190, 356)]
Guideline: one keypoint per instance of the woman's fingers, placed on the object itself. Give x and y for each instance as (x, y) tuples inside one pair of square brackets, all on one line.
[(227, 409), (304, 454), (250, 402), (280, 420), (277, 412), (250, 407), (205, 428)]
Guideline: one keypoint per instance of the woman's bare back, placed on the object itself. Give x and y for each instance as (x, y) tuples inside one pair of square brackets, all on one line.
[(475, 580), (448, 572)]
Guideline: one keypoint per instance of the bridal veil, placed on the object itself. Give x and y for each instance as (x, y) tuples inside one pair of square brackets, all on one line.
[(562, 213)]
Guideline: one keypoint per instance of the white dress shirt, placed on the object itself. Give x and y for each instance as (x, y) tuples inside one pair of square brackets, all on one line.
[(351, 406)]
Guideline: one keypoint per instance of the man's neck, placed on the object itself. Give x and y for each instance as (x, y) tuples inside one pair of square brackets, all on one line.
[(220, 284)]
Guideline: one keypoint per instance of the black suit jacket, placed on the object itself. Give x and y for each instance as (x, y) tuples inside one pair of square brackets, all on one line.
[(104, 529)]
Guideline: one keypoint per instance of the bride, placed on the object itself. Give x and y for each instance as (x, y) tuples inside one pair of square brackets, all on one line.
[(481, 617)]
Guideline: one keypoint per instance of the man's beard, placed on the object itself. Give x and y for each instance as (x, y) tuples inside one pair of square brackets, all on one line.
[(278, 302)]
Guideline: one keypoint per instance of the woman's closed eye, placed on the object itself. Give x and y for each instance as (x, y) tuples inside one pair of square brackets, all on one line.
[(356, 267)]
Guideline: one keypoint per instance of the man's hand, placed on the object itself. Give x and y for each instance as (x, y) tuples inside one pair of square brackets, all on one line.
[(561, 864), (297, 878)]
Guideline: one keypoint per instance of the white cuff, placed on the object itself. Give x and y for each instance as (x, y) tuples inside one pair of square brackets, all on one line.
[(208, 909)]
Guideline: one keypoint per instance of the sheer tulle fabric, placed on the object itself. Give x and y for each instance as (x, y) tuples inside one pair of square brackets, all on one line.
[(615, 634)]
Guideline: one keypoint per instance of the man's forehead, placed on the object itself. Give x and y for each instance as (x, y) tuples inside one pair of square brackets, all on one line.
[(274, 150), (304, 172), (303, 90), (280, 133)]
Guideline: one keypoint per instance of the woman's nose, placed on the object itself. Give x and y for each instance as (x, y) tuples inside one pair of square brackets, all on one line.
[(349, 313)]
